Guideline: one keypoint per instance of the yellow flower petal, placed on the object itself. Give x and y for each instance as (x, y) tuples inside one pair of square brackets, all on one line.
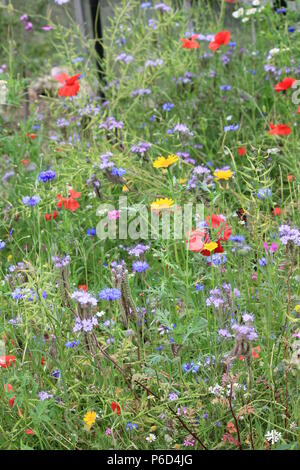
[(210, 246), (223, 174), (162, 203)]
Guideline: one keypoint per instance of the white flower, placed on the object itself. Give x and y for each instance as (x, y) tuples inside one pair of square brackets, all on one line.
[(238, 13), (273, 151), (251, 11), (3, 91), (244, 20), (151, 437), (61, 2), (256, 3), (274, 51), (100, 314), (273, 436)]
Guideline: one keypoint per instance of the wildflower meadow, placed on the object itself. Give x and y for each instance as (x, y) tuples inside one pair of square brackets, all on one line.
[(150, 228)]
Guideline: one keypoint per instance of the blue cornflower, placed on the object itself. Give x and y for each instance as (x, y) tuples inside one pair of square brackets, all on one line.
[(17, 294), (281, 10), (291, 29), (2, 244), (47, 176), (110, 294), (91, 232), (131, 426), (263, 193), (237, 238), (199, 287), (225, 87), (56, 373), (262, 261), (31, 201), (167, 106), (140, 266), (231, 128), (72, 344), (145, 5), (191, 367), (118, 172), (217, 259)]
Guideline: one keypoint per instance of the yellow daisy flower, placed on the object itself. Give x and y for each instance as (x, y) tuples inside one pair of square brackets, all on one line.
[(162, 203), (162, 162), (223, 174), (90, 418)]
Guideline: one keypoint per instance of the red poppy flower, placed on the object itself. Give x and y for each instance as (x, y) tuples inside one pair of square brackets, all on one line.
[(255, 352), (190, 43), (242, 151), (69, 203), (221, 39), (82, 287), (8, 388), (70, 84), (285, 84), (276, 211), (31, 135), (298, 110), (116, 407), (6, 361), (280, 129), (51, 216), (11, 401), (29, 432), (25, 161), (43, 361), (216, 222), (74, 194)]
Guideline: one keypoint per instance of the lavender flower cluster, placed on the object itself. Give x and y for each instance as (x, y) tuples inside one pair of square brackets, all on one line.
[(288, 234)]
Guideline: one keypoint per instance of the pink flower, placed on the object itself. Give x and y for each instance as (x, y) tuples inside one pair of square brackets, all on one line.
[(189, 441), (113, 215), (108, 431), (47, 27), (272, 248)]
